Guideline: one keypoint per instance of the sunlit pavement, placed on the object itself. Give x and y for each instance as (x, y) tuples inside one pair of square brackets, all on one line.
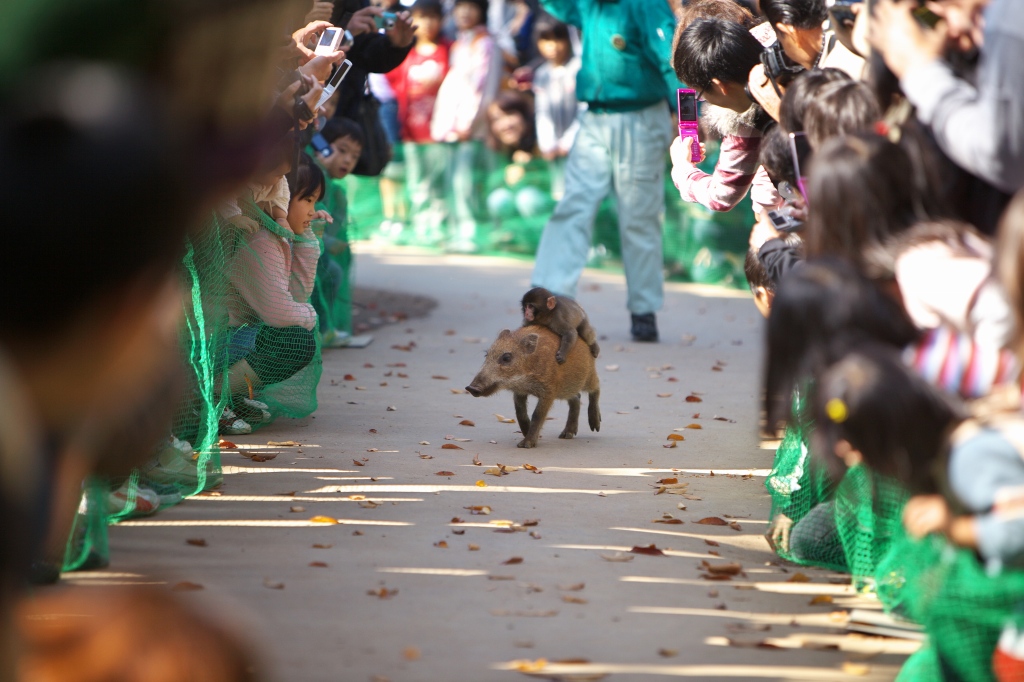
[(410, 584)]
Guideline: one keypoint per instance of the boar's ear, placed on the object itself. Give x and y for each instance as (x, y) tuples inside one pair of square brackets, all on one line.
[(529, 343), (551, 302), (504, 333)]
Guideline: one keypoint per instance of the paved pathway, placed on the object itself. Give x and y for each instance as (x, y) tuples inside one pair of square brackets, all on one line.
[(459, 597)]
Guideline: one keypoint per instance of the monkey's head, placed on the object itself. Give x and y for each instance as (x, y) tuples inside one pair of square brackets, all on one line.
[(536, 304)]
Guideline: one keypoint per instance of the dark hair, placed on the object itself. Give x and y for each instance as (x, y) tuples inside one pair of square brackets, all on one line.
[(715, 48), (820, 311), (757, 274), (862, 191), (840, 108), (713, 9), (796, 13), (308, 179), (801, 92), (552, 30), (126, 200), (514, 102), (897, 420), (428, 7), (340, 127), (482, 4), (776, 158)]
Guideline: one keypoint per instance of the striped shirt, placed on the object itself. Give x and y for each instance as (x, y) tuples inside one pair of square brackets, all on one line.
[(954, 362)]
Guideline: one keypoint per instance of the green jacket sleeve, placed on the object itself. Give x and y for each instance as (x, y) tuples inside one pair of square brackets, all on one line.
[(566, 11), (659, 25)]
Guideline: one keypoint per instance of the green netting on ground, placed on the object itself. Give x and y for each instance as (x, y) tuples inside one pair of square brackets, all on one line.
[(251, 353), (962, 606), (466, 197), (869, 518)]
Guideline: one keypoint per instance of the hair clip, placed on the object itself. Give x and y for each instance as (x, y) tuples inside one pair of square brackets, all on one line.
[(836, 410)]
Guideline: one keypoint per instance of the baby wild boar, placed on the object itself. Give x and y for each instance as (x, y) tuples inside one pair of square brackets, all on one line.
[(523, 361)]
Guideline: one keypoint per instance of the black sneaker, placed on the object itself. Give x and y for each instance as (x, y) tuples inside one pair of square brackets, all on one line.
[(645, 328)]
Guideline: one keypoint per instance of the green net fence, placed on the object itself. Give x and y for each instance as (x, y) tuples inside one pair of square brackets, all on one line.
[(251, 349), (332, 296), (468, 198)]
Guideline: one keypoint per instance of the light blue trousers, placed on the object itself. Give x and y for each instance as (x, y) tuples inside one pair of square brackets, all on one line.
[(622, 153)]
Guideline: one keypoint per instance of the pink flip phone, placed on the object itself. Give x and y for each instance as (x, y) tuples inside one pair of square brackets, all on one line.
[(688, 121)]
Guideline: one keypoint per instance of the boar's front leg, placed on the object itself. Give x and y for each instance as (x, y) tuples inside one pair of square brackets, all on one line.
[(540, 413), (522, 413), (572, 424)]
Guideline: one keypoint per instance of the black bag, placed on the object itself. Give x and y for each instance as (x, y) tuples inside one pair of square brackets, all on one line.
[(376, 148)]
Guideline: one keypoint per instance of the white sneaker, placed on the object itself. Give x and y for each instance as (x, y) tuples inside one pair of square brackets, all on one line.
[(335, 338), (232, 425)]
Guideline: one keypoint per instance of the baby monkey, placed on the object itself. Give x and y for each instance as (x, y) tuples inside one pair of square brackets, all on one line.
[(561, 315)]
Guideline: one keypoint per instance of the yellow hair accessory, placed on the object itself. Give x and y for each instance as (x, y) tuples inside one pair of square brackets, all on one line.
[(836, 410)]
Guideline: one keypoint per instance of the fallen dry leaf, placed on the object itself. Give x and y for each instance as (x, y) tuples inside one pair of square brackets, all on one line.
[(722, 569), (369, 504), (349, 377), (664, 395), (859, 669), (675, 437), (569, 599), (324, 519), (694, 399), (668, 653), (821, 599), (321, 546), (481, 484), (444, 473), (426, 457), (479, 510), (798, 578), (457, 391), (318, 564), (382, 593), (735, 526), (467, 422), (649, 550), (357, 463), (439, 377), (196, 542), (504, 420), (282, 443), (672, 521), (392, 408), (411, 653), (186, 586), (272, 584), (450, 446), (226, 444), (711, 543), (694, 426), (473, 548), (512, 561), (262, 457), (530, 467), (617, 556), (442, 544), (297, 509), (668, 481), (713, 521), (525, 614), (572, 588)]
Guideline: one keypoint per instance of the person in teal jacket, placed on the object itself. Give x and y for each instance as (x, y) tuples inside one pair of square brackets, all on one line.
[(629, 86)]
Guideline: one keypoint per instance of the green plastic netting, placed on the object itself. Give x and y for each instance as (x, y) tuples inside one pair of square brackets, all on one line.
[(846, 525), (962, 606), (252, 353), (332, 296), (501, 207)]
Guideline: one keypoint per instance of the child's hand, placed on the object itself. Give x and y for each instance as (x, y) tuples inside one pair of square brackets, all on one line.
[(778, 532), (763, 231), (682, 150), (926, 514), (323, 215)]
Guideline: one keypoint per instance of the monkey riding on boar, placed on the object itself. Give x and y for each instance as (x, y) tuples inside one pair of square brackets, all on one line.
[(521, 361), (561, 315)]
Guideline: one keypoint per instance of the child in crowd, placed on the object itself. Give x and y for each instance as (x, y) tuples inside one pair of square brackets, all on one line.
[(554, 89), (459, 113), (332, 298), (416, 83), (270, 317)]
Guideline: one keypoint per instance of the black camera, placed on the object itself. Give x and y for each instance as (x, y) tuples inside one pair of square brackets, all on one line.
[(842, 11), (779, 68)]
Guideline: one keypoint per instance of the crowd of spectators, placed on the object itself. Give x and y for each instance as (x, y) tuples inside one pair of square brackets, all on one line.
[(881, 141)]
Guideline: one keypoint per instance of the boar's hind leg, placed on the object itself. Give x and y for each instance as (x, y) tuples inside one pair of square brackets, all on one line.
[(540, 413), (594, 410), (572, 425), (522, 413)]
